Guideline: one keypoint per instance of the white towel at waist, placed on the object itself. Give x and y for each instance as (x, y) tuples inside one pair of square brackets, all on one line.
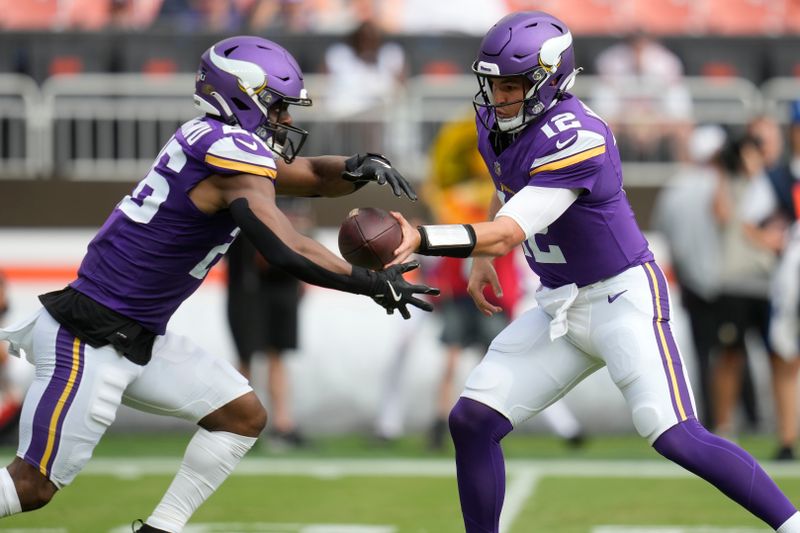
[(556, 303), (20, 336)]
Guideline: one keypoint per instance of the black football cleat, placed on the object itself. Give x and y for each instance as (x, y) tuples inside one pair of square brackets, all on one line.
[(139, 526), (784, 453)]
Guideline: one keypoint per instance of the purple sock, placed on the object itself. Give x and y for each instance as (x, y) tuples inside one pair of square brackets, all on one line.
[(477, 431), (728, 467)]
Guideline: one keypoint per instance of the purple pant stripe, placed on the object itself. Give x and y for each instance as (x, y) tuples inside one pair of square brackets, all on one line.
[(670, 357), (49, 401), (674, 352), (67, 402)]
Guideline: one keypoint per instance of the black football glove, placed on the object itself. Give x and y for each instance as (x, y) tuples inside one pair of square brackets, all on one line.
[(391, 291), (363, 168)]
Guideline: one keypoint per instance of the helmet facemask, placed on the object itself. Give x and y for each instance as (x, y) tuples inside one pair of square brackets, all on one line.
[(283, 139), (531, 107)]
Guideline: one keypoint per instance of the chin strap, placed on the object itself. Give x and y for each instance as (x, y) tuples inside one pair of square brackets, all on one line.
[(566, 84)]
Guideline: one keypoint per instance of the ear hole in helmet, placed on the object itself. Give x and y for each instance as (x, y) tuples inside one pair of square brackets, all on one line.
[(240, 105)]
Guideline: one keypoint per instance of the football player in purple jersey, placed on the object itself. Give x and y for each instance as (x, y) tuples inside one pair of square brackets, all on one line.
[(103, 340), (603, 302)]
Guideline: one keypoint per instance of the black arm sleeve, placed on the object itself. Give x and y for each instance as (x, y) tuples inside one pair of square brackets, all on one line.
[(274, 250)]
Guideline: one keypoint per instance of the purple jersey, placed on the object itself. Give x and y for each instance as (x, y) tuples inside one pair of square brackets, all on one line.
[(572, 148), (156, 247)]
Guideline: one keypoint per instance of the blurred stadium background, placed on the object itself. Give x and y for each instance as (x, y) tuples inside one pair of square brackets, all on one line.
[(91, 89)]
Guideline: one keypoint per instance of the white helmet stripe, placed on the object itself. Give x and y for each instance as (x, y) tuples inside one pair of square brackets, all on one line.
[(552, 49), (250, 75)]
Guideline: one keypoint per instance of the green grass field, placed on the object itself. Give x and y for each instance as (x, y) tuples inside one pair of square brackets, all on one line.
[(348, 485)]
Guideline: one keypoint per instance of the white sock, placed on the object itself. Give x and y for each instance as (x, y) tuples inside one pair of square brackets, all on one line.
[(792, 525), (9, 500), (209, 459)]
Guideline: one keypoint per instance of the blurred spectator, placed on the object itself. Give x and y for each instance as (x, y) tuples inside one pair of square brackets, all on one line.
[(644, 98), (785, 292), (263, 303), (751, 241), (320, 16), (364, 71), (201, 15), (133, 14), (445, 16), (55, 14), (288, 15), (685, 214), (692, 212)]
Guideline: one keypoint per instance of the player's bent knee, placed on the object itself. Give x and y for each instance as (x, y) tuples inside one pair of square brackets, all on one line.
[(258, 421), (244, 416), (470, 419), (251, 417), (36, 497), (465, 418), (33, 488)]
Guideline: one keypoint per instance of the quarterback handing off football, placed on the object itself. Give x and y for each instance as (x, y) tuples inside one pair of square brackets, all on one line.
[(368, 237)]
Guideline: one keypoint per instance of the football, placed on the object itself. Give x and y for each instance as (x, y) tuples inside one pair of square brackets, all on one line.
[(368, 237)]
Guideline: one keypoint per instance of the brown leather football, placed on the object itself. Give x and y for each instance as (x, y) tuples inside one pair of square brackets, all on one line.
[(368, 237)]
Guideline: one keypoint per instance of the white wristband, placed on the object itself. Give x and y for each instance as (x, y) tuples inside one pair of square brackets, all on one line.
[(453, 240)]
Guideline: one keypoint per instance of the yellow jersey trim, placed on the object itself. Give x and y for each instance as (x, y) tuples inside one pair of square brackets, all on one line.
[(247, 168), (577, 158)]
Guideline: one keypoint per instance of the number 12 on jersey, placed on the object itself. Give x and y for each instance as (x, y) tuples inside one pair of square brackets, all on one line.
[(552, 255)]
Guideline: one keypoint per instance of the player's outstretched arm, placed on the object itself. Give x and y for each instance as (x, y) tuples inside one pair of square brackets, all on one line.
[(251, 201), (528, 212), (494, 239), (332, 176)]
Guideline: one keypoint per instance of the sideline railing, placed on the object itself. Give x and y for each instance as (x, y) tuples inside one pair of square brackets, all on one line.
[(110, 126)]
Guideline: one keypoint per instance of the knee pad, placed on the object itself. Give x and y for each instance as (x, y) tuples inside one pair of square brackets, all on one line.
[(646, 420)]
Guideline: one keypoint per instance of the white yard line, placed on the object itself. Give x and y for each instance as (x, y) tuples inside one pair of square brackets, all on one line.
[(520, 487), (332, 468), (523, 477)]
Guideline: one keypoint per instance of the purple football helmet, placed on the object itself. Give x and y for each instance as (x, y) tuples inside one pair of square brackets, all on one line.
[(241, 78), (531, 44)]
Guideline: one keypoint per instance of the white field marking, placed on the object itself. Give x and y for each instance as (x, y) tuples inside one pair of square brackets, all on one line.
[(522, 486), (131, 467), (676, 529), (530, 471), (266, 527)]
